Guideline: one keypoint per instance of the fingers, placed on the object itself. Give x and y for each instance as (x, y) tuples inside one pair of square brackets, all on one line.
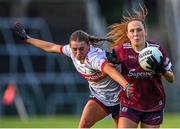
[(20, 31), (149, 61), (18, 26), (113, 52), (112, 58), (129, 95), (153, 59), (161, 59), (149, 67), (130, 91)]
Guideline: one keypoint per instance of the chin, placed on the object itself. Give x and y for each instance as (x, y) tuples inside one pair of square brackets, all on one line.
[(79, 58)]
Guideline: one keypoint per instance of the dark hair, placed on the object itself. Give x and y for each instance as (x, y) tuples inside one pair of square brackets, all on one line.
[(80, 36)]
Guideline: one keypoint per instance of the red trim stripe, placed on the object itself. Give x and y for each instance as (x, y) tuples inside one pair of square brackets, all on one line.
[(61, 49), (102, 67), (90, 78)]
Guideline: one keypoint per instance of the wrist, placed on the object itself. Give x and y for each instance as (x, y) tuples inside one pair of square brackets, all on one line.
[(126, 86), (163, 71)]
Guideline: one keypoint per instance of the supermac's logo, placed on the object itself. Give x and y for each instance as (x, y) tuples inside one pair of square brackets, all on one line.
[(135, 74)]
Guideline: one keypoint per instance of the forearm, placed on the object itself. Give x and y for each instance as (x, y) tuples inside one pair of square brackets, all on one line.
[(169, 76), (115, 75), (44, 45)]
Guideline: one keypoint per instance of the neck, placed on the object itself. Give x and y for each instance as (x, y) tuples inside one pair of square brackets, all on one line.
[(82, 61), (138, 48)]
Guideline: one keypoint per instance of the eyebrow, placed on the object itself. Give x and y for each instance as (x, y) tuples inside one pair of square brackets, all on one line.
[(136, 28)]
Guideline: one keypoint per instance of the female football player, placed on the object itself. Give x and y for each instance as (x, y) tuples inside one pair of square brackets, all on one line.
[(92, 64), (148, 101)]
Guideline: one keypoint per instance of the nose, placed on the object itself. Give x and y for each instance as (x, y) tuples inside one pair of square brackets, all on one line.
[(78, 52), (135, 32)]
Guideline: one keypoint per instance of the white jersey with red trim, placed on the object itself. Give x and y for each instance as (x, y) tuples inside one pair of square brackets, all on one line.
[(101, 86)]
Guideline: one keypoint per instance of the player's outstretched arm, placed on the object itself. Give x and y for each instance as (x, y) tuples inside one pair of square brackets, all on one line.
[(44, 45), (110, 70)]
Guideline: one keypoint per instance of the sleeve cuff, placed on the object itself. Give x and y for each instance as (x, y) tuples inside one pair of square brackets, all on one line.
[(61, 49), (102, 67)]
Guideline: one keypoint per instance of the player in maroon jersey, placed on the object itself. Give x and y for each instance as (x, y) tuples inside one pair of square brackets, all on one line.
[(147, 104)]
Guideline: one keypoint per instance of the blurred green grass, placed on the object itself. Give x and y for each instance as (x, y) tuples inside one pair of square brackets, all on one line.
[(171, 120)]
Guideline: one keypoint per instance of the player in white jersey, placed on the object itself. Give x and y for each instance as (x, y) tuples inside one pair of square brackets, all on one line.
[(92, 64), (102, 87)]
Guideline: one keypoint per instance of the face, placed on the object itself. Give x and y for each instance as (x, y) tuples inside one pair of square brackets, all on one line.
[(136, 33), (79, 49)]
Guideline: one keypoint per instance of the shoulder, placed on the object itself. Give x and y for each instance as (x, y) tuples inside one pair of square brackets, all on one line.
[(126, 45), (66, 50), (152, 44), (64, 47), (95, 55), (123, 47), (155, 44), (95, 52)]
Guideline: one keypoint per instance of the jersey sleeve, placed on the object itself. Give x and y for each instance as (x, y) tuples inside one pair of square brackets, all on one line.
[(119, 52), (166, 61), (61, 49), (65, 50), (98, 60)]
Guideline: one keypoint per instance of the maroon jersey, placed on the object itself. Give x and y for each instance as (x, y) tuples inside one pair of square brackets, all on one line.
[(149, 93)]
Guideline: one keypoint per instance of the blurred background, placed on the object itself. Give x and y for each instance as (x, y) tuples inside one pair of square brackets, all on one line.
[(43, 84)]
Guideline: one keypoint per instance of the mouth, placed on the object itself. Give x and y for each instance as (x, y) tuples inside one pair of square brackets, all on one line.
[(137, 39)]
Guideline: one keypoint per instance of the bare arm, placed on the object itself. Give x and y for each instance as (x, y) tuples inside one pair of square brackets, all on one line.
[(44, 45), (169, 76), (115, 75)]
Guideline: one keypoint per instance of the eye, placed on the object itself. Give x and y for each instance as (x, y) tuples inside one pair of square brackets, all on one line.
[(139, 29), (74, 49), (81, 49), (132, 30)]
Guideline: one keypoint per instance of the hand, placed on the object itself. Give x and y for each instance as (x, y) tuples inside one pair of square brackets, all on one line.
[(129, 89), (20, 31), (155, 65), (112, 58)]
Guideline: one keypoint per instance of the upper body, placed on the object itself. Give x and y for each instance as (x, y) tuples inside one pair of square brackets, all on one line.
[(129, 38), (101, 86), (104, 79), (149, 93)]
